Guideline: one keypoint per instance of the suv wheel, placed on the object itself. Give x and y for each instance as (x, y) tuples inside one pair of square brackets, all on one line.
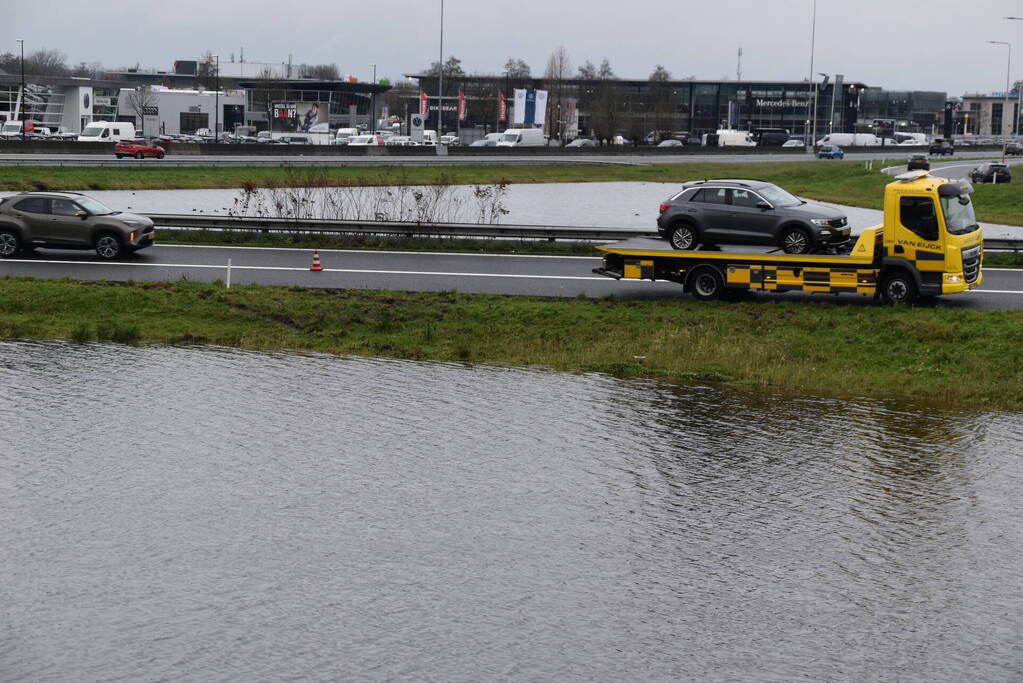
[(795, 241), (139, 155), (108, 246), (683, 237), (9, 243)]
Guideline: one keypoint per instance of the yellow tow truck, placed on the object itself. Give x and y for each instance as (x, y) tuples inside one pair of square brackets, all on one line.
[(929, 244)]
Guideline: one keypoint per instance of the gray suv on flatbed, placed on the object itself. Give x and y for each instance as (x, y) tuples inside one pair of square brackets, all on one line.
[(713, 212), (69, 220)]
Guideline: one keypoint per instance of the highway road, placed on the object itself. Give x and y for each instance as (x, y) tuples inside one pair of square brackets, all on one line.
[(556, 276), (955, 169), (13, 159)]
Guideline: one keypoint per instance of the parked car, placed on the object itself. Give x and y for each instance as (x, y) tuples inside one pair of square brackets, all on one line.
[(670, 143), (711, 212), (365, 141), (584, 143), (69, 220), (295, 140), (918, 161), (138, 149), (1014, 148), (483, 142), (941, 147), (991, 173), (793, 142)]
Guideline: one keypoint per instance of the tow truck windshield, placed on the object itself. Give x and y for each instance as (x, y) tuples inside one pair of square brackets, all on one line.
[(959, 216)]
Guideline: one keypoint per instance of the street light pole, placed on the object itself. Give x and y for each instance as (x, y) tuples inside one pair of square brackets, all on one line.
[(216, 106), (21, 42), (373, 103), (1005, 107), (440, 78), (813, 38), (1019, 94)]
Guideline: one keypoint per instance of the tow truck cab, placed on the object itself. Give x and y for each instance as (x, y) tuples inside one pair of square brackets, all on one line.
[(929, 244)]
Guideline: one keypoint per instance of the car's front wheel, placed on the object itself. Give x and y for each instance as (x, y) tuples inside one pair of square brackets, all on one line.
[(119, 156), (10, 243), (898, 288), (795, 241), (159, 155), (682, 237), (139, 155), (108, 245)]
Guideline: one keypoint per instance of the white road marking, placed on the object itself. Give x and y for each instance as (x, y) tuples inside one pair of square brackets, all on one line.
[(325, 270)]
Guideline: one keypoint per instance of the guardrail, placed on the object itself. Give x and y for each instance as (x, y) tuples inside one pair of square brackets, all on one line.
[(373, 227), (402, 228)]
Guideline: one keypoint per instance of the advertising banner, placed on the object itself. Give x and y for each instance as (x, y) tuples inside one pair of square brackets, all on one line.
[(298, 116), (502, 108), (530, 106), (461, 105), (422, 103)]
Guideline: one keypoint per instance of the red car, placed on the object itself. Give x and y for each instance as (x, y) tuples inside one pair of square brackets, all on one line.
[(137, 149)]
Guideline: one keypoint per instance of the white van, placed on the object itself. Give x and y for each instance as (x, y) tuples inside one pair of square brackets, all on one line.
[(107, 131), (850, 140), (735, 138), (12, 129), (343, 135), (522, 137)]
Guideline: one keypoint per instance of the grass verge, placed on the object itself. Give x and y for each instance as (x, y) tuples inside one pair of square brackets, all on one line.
[(959, 358), (843, 182)]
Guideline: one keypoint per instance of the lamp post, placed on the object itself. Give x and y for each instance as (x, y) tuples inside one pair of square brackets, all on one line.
[(1005, 107), (216, 106), (373, 103), (1019, 94), (21, 42), (813, 38), (440, 78)]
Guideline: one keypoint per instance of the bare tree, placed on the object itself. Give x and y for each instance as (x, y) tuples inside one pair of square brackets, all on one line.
[(605, 72), (139, 101), (659, 101), (588, 71), (516, 68), (205, 73), (88, 70), (269, 89), (452, 68), (323, 72), (38, 63), (559, 70)]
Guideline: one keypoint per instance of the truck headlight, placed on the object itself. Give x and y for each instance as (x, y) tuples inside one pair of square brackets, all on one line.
[(953, 278)]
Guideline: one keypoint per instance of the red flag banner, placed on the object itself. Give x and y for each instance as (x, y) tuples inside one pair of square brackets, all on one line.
[(461, 105), (502, 108), (422, 103)]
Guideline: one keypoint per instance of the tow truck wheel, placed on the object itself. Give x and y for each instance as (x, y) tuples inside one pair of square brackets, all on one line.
[(683, 237), (706, 283), (898, 288), (795, 241)]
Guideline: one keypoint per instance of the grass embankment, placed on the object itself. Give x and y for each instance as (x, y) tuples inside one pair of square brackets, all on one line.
[(843, 182), (960, 358)]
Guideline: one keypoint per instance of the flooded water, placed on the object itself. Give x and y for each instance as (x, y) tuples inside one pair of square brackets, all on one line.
[(203, 514)]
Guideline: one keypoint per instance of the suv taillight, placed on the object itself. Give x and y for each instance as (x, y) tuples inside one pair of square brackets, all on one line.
[(664, 207)]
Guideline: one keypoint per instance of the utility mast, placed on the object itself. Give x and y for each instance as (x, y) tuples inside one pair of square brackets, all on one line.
[(738, 67)]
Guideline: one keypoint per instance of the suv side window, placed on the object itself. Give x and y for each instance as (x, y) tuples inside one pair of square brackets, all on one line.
[(745, 198), (712, 195), (34, 205), (62, 207), (917, 214)]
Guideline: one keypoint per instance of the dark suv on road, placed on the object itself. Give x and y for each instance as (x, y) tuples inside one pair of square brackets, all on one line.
[(69, 220), (712, 212)]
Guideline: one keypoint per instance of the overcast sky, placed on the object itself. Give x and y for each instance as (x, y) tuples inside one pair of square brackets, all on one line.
[(933, 45)]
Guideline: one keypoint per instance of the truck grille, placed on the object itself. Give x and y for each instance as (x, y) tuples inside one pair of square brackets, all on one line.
[(971, 263)]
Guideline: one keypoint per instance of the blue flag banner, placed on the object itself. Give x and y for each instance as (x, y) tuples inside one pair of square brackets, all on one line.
[(530, 107)]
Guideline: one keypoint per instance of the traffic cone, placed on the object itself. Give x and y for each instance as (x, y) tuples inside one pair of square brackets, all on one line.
[(316, 260)]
